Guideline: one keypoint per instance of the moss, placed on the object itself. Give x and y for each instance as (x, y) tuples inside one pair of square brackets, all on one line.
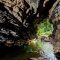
[(45, 28)]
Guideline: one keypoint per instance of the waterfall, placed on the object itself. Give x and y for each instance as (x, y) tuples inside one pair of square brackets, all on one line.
[(48, 51)]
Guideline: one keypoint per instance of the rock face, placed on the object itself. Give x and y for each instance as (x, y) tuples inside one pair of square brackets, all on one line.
[(19, 6), (9, 25), (18, 18), (13, 29), (55, 19)]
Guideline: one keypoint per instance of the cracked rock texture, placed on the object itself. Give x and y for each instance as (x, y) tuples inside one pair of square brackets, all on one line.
[(55, 20), (19, 18)]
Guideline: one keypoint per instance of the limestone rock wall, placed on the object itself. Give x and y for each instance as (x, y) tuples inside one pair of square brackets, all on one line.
[(55, 20), (19, 18)]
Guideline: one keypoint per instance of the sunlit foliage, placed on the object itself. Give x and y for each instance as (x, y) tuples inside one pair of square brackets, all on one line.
[(45, 28)]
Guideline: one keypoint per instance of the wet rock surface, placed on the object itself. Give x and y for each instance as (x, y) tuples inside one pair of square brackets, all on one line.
[(18, 19), (55, 19), (8, 25), (15, 25)]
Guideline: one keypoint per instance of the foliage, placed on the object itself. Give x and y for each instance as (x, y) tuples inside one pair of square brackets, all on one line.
[(45, 28)]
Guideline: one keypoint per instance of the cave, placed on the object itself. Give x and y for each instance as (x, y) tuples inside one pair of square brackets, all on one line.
[(18, 24)]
